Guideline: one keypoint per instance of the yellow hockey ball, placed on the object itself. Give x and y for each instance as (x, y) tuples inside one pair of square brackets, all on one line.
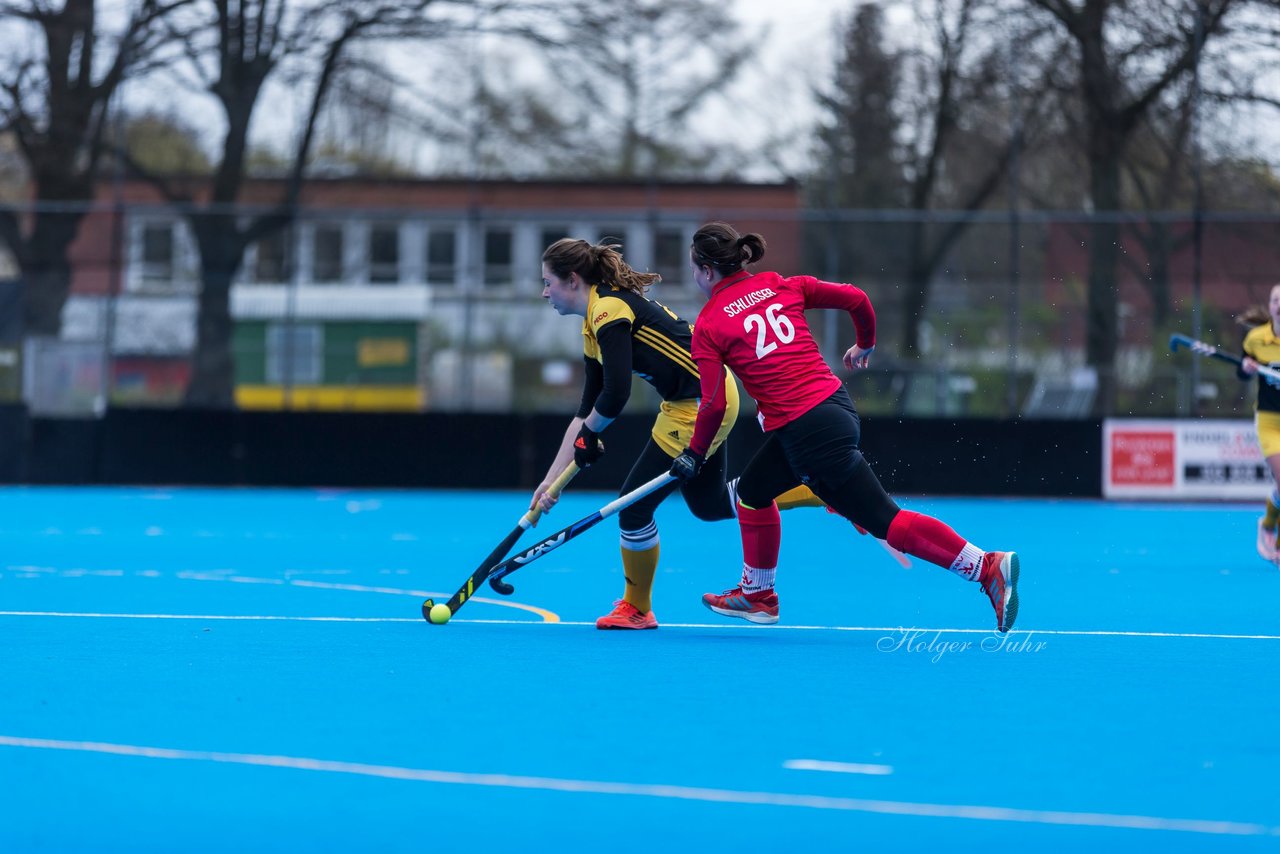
[(440, 614)]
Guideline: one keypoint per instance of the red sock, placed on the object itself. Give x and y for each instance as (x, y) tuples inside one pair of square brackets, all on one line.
[(761, 536), (925, 537)]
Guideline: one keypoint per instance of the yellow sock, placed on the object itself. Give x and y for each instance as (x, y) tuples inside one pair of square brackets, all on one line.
[(1272, 515), (638, 567), (801, 496)]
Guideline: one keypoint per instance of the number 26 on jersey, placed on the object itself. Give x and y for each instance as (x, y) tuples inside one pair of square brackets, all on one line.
[(771, 321)]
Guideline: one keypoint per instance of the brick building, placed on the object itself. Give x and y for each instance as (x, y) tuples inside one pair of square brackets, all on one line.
[(389, 294)]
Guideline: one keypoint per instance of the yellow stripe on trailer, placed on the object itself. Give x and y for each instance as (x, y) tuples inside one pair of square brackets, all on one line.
[(332, 398)]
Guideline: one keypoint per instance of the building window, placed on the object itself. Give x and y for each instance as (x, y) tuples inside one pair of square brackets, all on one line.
[(499, 267), (384, 253), (326, 257), (157, 253), (295, 354), (671, 255), (442, 256), (550, 234), (273, 263)]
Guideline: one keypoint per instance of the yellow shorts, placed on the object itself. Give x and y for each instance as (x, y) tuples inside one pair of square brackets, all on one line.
[(1268, 426), (673, 427)]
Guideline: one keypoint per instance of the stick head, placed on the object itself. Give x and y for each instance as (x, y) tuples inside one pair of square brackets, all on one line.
[(1176, 341), (501, 586)]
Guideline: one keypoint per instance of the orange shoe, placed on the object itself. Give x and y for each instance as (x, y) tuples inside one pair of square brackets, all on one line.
[(626, 616), (999, 580)]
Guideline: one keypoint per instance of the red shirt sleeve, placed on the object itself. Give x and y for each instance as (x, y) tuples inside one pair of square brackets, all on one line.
[(820, 294), (712, 408)]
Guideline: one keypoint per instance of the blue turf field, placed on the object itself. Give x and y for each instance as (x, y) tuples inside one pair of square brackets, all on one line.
[(247, 670)]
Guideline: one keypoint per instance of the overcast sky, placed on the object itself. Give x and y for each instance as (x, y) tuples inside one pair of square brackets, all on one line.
[(794, 58), (772, 98), (801, 28)]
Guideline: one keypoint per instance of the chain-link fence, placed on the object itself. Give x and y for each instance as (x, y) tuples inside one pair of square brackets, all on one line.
[(439, 308)]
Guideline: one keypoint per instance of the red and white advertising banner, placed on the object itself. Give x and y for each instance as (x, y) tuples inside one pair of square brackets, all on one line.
[(1182, 459)]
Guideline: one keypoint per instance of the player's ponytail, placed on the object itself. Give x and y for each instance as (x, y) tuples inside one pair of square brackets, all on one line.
[(1254, 315), (614, 270), (753, 247), (718, 245), (597, 264)]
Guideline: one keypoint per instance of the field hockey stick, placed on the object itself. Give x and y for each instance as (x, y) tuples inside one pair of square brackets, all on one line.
[(499, 552), (1200, 348), (526, 557), (902, 559)]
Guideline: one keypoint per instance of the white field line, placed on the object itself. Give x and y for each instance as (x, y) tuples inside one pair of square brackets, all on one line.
[(230, 617), (894, 630), (837, 767), (673, 792), (225, 576), (551, 617)]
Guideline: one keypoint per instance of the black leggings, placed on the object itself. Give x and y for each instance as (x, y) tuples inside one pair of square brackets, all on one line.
[(706, 494), (820, 450)]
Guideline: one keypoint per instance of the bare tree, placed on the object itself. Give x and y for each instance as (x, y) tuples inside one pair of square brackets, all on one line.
[(1157, 178), (1128, 54), (234, 49), (1188, 153), (858, 153), (628, 77), (931, 127), (958, 156), (858, 140), (54, 99), (611, 89), (359, 130)]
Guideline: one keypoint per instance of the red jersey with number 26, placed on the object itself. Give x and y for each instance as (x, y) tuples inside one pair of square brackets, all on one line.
[(755, 325)]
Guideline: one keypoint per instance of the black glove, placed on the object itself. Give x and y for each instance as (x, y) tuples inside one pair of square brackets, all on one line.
[(587, 448), (687, 465)]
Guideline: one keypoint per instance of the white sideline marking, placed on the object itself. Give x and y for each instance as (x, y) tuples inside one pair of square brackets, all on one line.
[(837, 767), (720, 626), (246, 617), (686, 793)]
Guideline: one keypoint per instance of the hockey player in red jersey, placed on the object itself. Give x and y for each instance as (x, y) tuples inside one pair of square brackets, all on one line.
[(754, 324)]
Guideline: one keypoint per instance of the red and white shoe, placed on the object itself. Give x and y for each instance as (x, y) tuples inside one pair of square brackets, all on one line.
[(999, 580), (626, 616), (760, 606)]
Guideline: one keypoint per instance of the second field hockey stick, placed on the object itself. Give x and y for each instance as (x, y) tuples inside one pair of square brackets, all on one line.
[(1203, 349), (556, 540), (902, 559), (527, 521)]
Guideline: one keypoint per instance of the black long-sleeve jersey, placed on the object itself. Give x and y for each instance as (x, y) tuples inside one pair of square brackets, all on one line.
[(625, 333)]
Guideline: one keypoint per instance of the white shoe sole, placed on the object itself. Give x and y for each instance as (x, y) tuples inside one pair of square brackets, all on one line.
[(750, 616), (1009, 567)]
